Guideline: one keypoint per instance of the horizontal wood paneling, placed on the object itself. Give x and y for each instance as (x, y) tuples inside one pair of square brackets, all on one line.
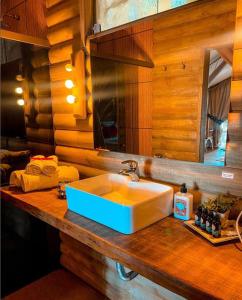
[(64, 31), (61, 52), (78, 139), (206, 178), (40, 135), (68, 122), (180, 40), (64, 11)]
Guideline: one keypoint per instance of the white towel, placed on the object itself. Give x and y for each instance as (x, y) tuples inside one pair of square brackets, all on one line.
[(50, 165), (15, 178), (33, 183), (35, 166), (67, 173), (39, 164)]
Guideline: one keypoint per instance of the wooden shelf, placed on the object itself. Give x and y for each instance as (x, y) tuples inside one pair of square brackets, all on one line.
[(125, 60)]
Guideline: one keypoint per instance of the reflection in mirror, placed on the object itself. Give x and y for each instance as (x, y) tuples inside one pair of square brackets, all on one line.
[(218, 105), (161, 87), (114, 13), (19, 87)]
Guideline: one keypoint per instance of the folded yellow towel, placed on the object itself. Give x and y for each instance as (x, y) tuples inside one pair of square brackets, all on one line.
[(33, 183), (54, 157), (40, 164), (50, 166), (15, 178), (35, 166), (67, 173)]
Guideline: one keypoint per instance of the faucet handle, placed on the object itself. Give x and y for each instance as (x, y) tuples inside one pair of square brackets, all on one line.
[(133, 165)]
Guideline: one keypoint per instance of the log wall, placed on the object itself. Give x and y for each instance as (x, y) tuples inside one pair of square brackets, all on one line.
[(38, 110), (179, 84), (71, 129)]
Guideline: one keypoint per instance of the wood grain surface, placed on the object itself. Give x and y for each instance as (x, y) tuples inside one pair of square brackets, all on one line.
[(166, 252)]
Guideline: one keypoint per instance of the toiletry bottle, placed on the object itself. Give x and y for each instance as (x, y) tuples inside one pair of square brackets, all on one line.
[(216, 226), (209, 222), (198, 216), (183, 204), (204, 218)]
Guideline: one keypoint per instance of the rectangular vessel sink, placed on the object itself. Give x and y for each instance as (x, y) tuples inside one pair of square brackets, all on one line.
[(119, 203)]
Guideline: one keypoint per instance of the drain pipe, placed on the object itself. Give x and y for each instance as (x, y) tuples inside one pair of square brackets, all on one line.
[(126, 276)]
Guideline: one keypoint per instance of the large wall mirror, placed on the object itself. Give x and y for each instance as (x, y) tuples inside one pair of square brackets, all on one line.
[(161, 87)]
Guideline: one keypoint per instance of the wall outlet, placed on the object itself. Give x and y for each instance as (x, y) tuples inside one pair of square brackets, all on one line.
[(228, 175)]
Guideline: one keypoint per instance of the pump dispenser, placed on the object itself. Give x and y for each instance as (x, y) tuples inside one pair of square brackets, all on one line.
[(183, 204)]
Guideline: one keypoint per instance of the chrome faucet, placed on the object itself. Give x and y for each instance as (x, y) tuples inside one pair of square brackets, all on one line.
[(131, 171)]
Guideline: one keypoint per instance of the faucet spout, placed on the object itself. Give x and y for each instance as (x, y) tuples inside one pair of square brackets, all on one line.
[(131, 171)]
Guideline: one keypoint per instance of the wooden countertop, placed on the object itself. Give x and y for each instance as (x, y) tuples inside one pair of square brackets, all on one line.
[(166, 252)]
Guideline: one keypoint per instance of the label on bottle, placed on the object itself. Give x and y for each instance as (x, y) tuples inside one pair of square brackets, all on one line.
[(180, 207)]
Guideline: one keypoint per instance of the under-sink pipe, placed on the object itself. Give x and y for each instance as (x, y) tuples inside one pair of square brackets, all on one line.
[(126, 276)]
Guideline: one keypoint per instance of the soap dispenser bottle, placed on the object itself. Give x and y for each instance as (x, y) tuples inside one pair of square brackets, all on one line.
[(183, 204)]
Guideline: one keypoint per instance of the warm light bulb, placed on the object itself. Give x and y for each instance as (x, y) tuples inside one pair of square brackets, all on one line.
[(69, 84), (68, 67), (19, 77), (20, 102), (70, 99), (19, 90)]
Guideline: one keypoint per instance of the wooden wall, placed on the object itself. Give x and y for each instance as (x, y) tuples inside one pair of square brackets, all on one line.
[(90, 163), (31, 20), (38, 108), (234, 146), (63, 21), (134, 43), (180, 42)]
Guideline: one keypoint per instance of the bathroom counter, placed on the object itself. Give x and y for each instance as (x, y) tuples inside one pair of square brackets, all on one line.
[(166, 252)]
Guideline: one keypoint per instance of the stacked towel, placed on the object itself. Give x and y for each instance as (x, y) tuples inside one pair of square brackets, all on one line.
[(35, 166), (15, 178), (68, 173), (42, 165), (30, 182), (50, 165)]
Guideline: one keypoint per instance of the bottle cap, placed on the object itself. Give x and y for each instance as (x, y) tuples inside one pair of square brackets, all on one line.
[(183, 188)]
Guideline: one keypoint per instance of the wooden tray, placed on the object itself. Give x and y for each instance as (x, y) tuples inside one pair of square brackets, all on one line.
[(209, 237)]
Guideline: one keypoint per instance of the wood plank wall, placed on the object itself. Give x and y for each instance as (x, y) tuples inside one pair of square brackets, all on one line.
[(180, 42), (234, 146), (90, 163), (135, 42), (63, 21), (100, 272), (38, 109)]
